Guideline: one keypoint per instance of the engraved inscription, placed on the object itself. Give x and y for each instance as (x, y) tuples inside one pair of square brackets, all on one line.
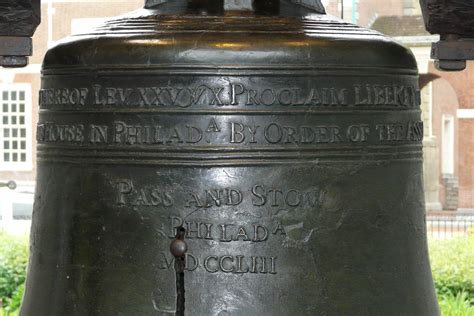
[(154, 96), (224, 232), (230, 231), (239, 94), (277, 197), (231, 94), (258, 195), (394, 95), (413, 131), (215, 197), (238, 264), (63, 96), (231, 132), (128, 194), (53, 132), (275, 133), (166, 261), (156, 134)]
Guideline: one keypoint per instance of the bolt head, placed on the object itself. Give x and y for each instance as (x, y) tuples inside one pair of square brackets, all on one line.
[(178, 248), (450, 65), (13, 61), (11, 185)]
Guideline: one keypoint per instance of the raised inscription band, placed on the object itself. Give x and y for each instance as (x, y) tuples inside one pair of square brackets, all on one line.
[(315, 90)]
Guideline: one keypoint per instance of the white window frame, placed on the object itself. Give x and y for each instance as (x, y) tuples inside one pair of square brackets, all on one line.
[(28, 164), (430, 108), (447, 144)]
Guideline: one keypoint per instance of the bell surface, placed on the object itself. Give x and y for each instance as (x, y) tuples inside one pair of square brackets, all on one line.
[(285, 144)]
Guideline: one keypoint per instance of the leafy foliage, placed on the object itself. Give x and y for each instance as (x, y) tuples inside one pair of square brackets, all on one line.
[(452, 263), (4, 312), (13, 262), (458, 305)]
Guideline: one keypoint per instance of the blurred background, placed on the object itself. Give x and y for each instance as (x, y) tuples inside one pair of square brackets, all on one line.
[(448, 116)]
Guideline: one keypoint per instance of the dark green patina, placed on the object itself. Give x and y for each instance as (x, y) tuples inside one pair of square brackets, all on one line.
[(286, 143)]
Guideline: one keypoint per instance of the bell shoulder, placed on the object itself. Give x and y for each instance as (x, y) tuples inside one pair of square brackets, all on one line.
[(151, 40)]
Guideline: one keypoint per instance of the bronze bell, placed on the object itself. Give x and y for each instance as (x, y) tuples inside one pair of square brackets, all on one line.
[(281, 147)]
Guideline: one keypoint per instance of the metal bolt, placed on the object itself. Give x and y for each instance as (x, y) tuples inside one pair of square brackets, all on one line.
[(178, 248), (450, 65), (13, 61)]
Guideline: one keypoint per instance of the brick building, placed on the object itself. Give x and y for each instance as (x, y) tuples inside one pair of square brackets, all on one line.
[(453, 107), (447, 101), (448, 114)]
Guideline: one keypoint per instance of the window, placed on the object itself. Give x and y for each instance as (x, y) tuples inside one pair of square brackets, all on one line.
[(22, 211), (15, 127), (16, 208), (447, 143)]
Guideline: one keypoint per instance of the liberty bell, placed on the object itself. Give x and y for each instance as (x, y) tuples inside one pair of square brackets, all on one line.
[(229, 157)]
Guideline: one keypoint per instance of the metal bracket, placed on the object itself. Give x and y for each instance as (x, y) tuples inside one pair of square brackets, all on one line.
[(10, 184), (14, 50), (451, 54)]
